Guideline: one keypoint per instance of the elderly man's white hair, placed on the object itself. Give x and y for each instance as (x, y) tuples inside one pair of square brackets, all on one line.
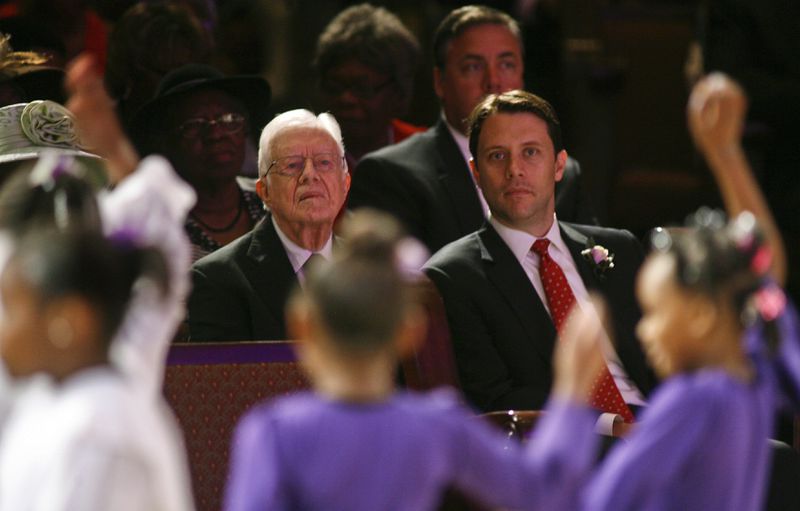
[(300, 118)]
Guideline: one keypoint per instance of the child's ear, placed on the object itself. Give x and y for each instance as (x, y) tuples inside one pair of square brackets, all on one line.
[(297, 319), (73, 322), (299, 327), (411, 333), (702, 317)]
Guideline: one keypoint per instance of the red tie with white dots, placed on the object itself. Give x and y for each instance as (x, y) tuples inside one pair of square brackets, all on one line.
[(605, 394)]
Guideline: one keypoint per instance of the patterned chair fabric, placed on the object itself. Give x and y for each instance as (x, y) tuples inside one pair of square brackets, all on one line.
[(209, 387), (432, 364)]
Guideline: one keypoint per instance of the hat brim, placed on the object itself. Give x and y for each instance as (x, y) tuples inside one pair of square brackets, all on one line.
[(253, 91), (95, 164), (33, 152)]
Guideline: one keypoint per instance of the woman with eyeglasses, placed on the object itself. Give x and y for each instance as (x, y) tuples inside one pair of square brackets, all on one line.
[(365, 60), (201, 121)]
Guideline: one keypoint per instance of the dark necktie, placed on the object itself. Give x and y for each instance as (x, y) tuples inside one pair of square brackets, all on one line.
[(313, 260), (605, 394)]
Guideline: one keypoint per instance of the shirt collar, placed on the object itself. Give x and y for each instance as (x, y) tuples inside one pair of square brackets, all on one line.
[(520, 242), (297, 254)]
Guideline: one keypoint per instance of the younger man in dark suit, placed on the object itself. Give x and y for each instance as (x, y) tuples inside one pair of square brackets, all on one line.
[(424, 181), (503, 313)]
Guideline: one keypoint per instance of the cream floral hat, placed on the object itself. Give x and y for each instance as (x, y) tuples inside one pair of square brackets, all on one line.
[(28, 128)]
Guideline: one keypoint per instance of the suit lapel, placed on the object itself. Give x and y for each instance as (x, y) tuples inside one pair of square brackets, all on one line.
[(505, 272), (268, 268), (454, 175)]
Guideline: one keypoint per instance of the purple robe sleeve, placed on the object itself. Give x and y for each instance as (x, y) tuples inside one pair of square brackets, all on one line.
[(787, 361), (544, 474), (668, 436)]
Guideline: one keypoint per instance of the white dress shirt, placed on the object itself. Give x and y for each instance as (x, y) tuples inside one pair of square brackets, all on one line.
[(298, 256), (520, 243)]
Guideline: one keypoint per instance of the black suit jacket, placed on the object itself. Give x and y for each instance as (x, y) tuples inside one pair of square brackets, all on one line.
[(425, 183), (241, 289), (503, 337)]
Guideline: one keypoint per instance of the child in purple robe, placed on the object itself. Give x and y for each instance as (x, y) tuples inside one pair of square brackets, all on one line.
[(719, 330), (357, 443)]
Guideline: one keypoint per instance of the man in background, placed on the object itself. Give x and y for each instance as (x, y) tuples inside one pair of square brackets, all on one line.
[(425, 181)]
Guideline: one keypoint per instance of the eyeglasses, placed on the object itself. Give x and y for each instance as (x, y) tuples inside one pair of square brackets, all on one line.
[(293, 166), (360, 90), (228, 123)]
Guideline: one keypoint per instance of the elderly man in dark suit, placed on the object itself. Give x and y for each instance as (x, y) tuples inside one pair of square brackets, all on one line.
[(508, 287), (425, 180), (240, 290)]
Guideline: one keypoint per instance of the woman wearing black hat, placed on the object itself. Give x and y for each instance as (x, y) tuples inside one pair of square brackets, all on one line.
[(200, 121)]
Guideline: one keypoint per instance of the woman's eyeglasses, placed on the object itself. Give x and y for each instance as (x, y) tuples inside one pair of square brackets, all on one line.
[(227, 123)]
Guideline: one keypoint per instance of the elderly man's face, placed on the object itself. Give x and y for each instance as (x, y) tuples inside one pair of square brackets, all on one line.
[(517, 169), (484, 59), (313, 197), (206, 137)]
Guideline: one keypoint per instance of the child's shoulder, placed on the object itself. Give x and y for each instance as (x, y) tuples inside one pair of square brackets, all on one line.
[(703, 389), (443, 409), (294, 405), (441, 400), (305, 407)]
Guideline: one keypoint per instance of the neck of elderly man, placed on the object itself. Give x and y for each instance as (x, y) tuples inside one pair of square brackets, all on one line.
[(310, 235)]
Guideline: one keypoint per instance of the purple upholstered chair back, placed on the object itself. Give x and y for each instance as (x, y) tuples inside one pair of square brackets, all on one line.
[(433, 364), (209, 387)]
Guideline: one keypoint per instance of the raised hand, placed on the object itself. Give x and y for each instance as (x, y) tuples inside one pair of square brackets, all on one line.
[(716, 112), (97, 122), (578, 358)]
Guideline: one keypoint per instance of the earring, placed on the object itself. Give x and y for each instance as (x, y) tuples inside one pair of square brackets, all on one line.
[(60, 332)]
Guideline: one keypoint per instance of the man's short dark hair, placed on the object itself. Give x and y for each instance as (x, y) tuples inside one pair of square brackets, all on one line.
[(513, 102), (376, 38), (463, 18)]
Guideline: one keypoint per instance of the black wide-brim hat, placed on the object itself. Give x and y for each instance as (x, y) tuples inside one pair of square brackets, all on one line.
[(253, 91)]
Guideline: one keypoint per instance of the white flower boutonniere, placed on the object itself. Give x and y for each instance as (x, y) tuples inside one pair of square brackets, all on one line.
[(599, 257)]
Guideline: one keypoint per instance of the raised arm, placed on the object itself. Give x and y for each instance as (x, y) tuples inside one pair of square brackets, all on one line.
[(716, 113), (578, 358), (97, 121), (149, 207)]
